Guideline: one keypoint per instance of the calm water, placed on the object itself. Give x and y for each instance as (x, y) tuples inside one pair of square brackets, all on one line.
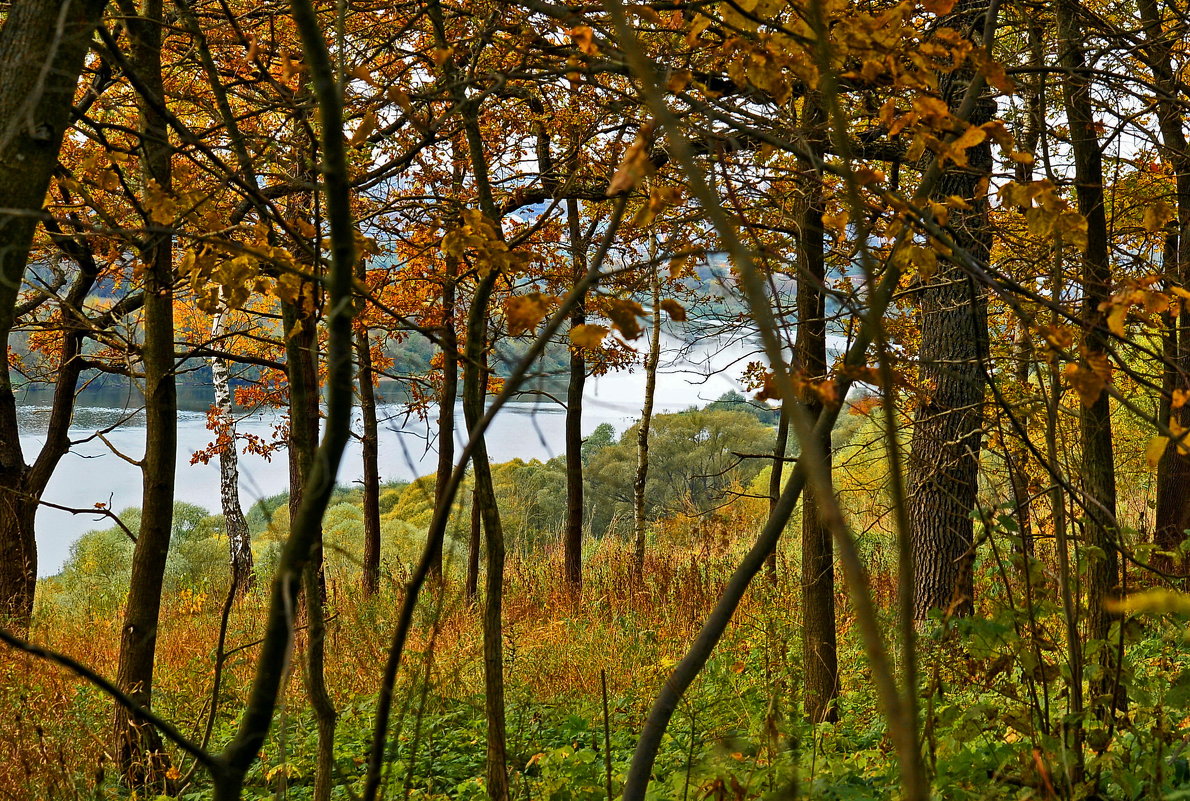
[(92, 474)]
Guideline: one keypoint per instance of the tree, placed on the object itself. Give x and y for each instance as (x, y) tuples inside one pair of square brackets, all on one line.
[(138, 749), (42, 46), (947, 431), (1095, 426)]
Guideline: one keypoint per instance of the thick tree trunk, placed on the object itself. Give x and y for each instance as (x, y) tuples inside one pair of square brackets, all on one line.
[(819, 651), (1098, 462), (641, 479), (239, 540), (42, 45), (138, 748), (947, 431), (573, 537), (1173, 471)]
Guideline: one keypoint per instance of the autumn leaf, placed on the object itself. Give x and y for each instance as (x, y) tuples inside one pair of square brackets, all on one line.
[(1157, 215), (1116, 318), (366, 126), (675, 310), (1155, 450), (625, 315), (524, 312), (1086, 382), (939, 7), (588, 335), (161, 206), (584, 39), (635, 165), (957, 150)]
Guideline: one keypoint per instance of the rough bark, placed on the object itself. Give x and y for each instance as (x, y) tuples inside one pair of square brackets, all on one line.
[(1173, 471), (819, 649), (944, 450), (239, 540), (138, 748), (1097, 466), (641, 479), (35, 107)]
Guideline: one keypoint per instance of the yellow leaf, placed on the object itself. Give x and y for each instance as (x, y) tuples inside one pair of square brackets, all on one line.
[(957, 151), (1155, 449), (366, 126), (1116, 318), (524, 312), (1157, 215), (587, 335), (1157, 601)]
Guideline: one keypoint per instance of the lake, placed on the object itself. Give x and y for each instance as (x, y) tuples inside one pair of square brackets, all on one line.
[(92, 473)]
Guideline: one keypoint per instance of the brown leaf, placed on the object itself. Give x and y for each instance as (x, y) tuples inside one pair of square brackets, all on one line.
[(675, 310), (625, 315)]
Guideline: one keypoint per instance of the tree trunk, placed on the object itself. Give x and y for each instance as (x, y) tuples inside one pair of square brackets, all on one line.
[(640, 480), (776, 478), (239, 541), (474, 388), (42, 45), (446, 399), (1098, 463), (1173, 471), (573, 537), (138, 748), (819, 652), (370, 447), (474, 546), (301, 348), (944, 450)]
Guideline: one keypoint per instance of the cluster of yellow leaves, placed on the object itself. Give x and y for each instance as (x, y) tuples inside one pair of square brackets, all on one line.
[(1046, 212), (523, 312), (479, 237)]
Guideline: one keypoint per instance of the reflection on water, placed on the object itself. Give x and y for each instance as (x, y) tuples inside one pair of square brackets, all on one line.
[(92, 474)]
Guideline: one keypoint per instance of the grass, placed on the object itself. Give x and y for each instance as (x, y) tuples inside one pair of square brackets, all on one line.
[(993, 716)]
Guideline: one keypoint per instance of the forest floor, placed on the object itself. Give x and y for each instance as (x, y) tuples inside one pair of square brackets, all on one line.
[(994, 696)]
